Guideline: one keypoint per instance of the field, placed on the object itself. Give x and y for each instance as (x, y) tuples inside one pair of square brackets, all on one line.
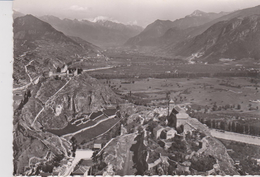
[(91, 133), (231, 104), (139, 65), (197, 91), (71, 128)]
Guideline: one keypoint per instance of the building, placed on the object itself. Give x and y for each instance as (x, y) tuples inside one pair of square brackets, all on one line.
[(64, 69), (84, 154), (171, 105), (97, 145), (167, 144), (157, 131), (177, 117), (168, 133)]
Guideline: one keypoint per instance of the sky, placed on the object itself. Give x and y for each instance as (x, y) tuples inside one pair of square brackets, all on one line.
[(139, 12)]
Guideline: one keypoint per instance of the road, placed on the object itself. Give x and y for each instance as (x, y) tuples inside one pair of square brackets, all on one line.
[(236, 137), (27, 85), (101, 68), (80, 154)]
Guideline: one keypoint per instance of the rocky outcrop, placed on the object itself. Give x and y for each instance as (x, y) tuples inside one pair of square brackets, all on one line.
[(56, 102)]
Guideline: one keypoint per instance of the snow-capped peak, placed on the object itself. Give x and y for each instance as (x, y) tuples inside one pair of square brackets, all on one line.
[(197, 13), (103, 19)]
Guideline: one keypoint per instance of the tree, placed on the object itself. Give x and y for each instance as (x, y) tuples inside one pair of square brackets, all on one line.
[(58, 69), (74, 145), (151, 126), (140, 153)]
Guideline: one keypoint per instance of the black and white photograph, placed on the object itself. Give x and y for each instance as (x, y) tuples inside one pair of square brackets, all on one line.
[(135, 87)]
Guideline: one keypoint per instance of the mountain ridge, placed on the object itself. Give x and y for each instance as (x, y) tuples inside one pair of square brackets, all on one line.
[(101, 33), (236, 39), (152, 35), (38, 44)]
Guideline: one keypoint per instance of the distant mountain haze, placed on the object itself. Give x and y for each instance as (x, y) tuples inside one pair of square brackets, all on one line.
[(101, 32)]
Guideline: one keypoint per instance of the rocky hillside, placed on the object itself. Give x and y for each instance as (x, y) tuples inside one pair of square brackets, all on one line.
[(41, 48), (239, 13), (62, 99), (101, 32), (51, 105), (152, 33), (232, 39)]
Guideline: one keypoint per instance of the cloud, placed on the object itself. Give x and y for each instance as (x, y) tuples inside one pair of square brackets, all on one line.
[(78, 8), (132, 22), (103, 18), (100, 18)]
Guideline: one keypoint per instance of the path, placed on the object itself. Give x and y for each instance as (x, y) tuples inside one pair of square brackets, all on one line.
[(105, 146), (25, 67), (64, 149), (50, 98)]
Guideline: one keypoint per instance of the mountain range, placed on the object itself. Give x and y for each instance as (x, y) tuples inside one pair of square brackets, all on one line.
[(101, 32), (237, 38), (203, 39), (38, 43), (198, 35), (154, 33)]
